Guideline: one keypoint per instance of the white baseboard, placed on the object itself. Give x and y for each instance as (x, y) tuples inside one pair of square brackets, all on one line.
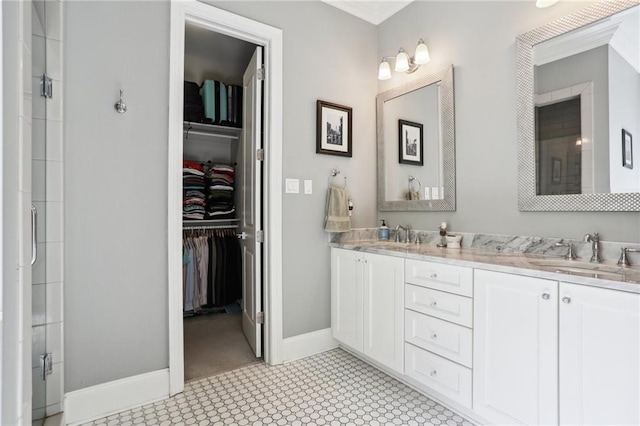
[(99, 401), (308, 344)]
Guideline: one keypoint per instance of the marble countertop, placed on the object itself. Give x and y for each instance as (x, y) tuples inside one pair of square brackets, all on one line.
[(603, 275)]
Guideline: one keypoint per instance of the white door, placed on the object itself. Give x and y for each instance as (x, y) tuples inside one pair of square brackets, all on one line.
[(346, 297), (599, 356), (251, 203), (515, 360), (383, 285)]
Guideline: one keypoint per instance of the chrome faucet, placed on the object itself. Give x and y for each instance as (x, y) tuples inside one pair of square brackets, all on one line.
[(571, 254), (624, 260), (404, 228), (594, 239)]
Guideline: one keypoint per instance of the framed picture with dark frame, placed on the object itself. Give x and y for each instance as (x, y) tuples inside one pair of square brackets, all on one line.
[(410, 143), (333, 129), (627, 149), (556, 170)]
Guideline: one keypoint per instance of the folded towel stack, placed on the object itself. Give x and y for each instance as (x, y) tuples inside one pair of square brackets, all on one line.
[(220, 200), (193, 195)]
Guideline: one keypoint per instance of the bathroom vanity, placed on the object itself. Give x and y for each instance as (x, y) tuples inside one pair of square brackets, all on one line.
[(503, 338)]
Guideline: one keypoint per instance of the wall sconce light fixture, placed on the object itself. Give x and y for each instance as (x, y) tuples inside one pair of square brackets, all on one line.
[(404, 63)]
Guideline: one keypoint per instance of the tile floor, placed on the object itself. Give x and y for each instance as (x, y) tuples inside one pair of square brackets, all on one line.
[(331, 388)]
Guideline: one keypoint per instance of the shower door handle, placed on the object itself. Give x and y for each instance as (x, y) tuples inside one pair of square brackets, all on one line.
[(34, 247)]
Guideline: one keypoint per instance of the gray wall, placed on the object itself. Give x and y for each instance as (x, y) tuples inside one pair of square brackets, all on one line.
[(116, 191), (116, 172), (478, 38)]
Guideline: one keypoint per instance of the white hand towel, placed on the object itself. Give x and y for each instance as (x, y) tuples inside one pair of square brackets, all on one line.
[(336, 218)]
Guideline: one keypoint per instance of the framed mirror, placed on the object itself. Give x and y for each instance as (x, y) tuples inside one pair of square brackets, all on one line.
[(416, 145), (578, 88)]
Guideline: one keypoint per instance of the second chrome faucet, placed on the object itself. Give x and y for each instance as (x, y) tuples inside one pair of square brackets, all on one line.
[(594, 239)]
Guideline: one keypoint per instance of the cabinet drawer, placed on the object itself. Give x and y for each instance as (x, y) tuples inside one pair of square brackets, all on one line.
[(450, 307), (451, 341), (442, 375), (453, 279)]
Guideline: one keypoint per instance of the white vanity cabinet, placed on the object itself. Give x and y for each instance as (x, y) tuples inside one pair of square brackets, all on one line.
[(515, 357), (367, 298), (554, 353), (599, 356), (438, 328)]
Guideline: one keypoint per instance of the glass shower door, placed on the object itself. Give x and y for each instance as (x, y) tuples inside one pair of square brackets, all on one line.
[(38, 185)]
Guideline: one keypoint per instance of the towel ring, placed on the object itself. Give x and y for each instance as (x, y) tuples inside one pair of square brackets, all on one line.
[(334, 173), (411, 179)]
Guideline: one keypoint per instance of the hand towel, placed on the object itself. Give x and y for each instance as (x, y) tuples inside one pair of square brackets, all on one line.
[(336, 217)]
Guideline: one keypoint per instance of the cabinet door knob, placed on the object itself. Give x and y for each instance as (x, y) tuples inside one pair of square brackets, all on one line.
[(434, 303), (434, 336), (566, 300), (434, 276), (434, 373), (546, 296)]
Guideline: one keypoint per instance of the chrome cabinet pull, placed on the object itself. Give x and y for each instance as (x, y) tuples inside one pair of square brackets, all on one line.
[(34, 246), (434, 336), (434, 373), (434, 304), (546, 296), (566, 300), (434, 276)]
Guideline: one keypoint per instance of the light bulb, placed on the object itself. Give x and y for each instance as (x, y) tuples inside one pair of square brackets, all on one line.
[(402, 61), (384, 71), (422, 53)]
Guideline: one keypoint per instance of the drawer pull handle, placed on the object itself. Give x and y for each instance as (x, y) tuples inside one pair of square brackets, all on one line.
[(434, 373), (546, 296), (434, 304), (566, 300), (434, 336), (434, 276)]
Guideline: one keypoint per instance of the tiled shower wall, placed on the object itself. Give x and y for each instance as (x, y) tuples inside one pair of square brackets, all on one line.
[(47, 166)]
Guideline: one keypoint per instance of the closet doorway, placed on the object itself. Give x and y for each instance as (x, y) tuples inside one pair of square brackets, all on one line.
[(222, 203), (244, 154)]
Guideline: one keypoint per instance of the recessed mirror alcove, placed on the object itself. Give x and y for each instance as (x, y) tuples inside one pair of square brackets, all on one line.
[(578, 86), (416, 145)]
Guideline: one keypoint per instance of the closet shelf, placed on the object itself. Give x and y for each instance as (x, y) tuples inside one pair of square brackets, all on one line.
[(211, 224), (212, 131)]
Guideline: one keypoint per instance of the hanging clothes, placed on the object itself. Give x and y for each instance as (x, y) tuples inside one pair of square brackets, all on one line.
[(212, 270)]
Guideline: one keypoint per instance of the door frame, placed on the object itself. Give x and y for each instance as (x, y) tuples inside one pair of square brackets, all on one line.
[(271, 39)]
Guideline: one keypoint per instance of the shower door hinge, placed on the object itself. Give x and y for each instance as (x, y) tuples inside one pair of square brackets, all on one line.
[(260, 154), (46, 365), (260, 236), (46, 86), (260, 318), (261, 74)]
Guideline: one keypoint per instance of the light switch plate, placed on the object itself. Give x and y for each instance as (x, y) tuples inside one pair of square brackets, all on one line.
[(308, 186), (292, 186)]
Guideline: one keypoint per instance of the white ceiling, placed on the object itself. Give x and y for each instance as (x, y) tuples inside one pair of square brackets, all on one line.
[(371, 11)]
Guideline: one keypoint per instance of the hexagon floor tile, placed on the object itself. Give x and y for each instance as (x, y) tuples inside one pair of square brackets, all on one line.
[(331, 388)]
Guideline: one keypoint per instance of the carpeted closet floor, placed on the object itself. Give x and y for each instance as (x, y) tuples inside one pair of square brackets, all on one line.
[(214, 344)]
